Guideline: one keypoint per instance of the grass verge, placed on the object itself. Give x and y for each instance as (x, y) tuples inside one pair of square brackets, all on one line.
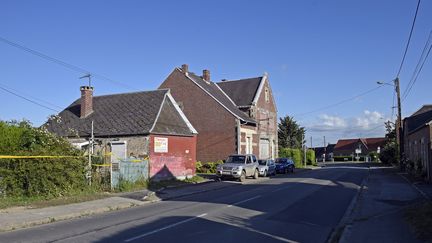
[(420, 218), (41, 202)]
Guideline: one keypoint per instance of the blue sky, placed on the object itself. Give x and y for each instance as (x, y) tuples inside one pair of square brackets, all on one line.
[(317, 53)]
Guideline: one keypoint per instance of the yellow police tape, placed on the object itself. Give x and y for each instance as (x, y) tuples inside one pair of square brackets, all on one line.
[(54, 156), (102, 165), (36, 156)]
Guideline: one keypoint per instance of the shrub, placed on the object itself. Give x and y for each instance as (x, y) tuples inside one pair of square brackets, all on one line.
[(207, 167), (310, 157), (342, 158), (294, 154), (388, 154), (374, 156), (48, 177)]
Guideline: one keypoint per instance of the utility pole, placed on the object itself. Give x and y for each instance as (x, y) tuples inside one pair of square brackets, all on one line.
[(399, 134), (304, 150), (311, 142), (90, 153), (325, 150)]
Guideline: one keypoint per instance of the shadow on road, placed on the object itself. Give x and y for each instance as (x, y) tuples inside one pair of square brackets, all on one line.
[(302, 207)]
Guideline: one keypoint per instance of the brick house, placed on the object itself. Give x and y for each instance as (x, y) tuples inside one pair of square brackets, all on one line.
[(237, 116), (347, 147), (417, 139), (132, 125)]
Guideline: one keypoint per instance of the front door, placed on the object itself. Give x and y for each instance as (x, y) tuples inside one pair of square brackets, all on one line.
[(264, 149)]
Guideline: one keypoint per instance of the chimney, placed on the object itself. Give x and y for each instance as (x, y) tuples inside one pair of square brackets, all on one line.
[(206, 75), (86, 101), (185, 68)]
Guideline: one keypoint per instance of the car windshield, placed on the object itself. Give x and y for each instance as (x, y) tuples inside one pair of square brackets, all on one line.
[(262, 162), (236, 159), (280, 161)]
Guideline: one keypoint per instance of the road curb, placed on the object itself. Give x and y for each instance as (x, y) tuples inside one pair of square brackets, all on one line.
[(342, 231)]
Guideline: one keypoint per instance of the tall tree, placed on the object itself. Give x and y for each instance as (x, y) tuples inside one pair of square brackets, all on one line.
[(290, 133), (388, 154)]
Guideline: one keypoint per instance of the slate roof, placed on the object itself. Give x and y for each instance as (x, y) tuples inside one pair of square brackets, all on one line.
[(115, 115), (416, 121), (242, 91), (220, 96)]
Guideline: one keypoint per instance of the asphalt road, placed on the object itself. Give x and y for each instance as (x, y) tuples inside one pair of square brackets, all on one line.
[(303, 207)]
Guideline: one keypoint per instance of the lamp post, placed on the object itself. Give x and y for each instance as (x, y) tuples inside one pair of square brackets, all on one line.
[(399, 135)]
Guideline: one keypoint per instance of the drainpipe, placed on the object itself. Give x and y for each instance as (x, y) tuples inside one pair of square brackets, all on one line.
[(238, 136)]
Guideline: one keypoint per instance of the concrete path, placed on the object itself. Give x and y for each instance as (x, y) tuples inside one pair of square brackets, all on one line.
[(379, 213)]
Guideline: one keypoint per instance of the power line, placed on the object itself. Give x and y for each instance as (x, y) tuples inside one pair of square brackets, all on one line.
[(29, 100), (32, 97), (64, 64), (340, 102), (409, 38), (419, 67)]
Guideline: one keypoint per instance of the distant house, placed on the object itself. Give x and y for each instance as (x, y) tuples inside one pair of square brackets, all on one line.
[(350, 147), (417, 139), (231, 117), (145, 124), (327, 151)]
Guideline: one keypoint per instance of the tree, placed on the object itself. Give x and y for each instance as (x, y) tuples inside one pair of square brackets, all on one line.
[(290, 134), (388, 154)]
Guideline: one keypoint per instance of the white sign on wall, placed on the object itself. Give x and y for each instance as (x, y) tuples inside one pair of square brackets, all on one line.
[(160, 145)]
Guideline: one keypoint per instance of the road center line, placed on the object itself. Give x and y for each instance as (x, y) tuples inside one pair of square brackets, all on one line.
[(165, 228), (247, 200)]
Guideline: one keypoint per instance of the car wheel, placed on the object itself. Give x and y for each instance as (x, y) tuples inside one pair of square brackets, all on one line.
[(256, 174), (292, 169), (265, 173), (242, 176)]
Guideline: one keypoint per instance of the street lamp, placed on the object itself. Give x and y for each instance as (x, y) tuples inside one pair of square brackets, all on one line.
[(399, 135)]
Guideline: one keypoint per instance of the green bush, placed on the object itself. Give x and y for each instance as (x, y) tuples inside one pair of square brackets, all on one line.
[(342, 158), (294, 154), (389, 154), (48, 177), (207, 167), (310, 157)]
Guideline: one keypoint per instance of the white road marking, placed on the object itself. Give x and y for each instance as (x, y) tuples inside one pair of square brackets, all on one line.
[(165, 228), (247, 200)]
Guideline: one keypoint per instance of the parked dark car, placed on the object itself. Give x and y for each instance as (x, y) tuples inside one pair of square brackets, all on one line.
[(284, 165)]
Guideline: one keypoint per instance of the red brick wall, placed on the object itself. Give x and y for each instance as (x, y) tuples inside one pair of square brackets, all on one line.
[(265, 110), (179, 161), (270, 106), (215, 125)]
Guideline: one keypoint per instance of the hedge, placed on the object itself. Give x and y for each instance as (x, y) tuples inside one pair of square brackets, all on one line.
[(42, 176), (310, 157), (294, 154)]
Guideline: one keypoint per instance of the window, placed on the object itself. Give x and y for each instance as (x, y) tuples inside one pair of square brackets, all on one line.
[(267, 98), (248, 145)]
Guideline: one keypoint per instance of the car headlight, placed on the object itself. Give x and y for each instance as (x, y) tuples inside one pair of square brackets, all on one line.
[(219, 167), (236, 168)]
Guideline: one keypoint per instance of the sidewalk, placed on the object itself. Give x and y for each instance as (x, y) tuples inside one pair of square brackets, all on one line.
[(378, 215)]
